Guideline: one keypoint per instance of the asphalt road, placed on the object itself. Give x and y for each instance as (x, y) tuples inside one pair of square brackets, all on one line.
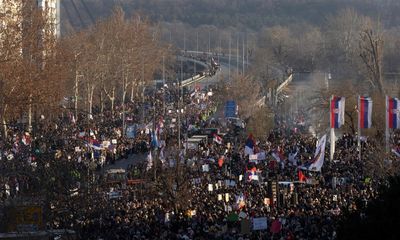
[(134, 158)]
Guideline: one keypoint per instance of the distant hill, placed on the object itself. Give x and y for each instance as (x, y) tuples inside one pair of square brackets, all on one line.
[(240, 14)]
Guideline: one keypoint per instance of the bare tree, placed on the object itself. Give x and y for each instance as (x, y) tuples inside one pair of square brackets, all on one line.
[(371, 53)]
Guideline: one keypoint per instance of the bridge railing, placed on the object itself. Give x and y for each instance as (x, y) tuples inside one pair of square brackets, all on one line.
[(284, 84)]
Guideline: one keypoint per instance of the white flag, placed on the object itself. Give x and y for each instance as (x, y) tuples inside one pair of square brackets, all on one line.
[(315, 164), (149, 161)]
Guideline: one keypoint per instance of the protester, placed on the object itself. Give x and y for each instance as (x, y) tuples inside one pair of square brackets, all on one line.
[(226, 189)]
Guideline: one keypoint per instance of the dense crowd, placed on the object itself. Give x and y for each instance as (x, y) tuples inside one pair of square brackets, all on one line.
[(226, 190)]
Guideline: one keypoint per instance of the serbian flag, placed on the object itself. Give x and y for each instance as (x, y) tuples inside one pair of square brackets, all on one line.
[(393, 113), (316, 163), (217, 139), (396, 151), (249, 147), (337, 111), (278, 155), (94, 144), (302, 177), (252, 174), (365, 112)]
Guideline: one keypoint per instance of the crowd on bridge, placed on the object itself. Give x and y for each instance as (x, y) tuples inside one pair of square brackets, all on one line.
[(213, 190)]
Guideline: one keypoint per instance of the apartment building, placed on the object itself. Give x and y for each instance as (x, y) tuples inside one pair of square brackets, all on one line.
[(9, 10)]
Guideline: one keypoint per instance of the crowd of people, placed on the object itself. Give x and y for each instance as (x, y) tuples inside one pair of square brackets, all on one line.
[(213, 190)]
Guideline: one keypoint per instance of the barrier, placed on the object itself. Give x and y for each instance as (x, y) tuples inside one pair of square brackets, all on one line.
[(284, 84), (192, 80)]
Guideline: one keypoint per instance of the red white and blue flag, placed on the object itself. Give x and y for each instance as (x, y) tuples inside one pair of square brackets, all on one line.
[(365, 112), (249, 147), (393, 113), (278, 155), (337, 111), (316, 163), (94, 144), (396, 151), (217, 139)]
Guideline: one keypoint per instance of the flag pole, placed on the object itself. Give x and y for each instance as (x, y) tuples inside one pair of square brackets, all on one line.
[(332, 150), (359, 130), (387, 134)]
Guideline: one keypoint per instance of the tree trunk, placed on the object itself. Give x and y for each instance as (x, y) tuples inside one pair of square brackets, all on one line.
[(76, 96), (102, 106), (30, 114), (90, 100), (4, 122), (112, 99), (123, 113), (132, 88)]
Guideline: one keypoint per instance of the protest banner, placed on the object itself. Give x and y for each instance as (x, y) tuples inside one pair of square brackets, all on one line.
[(219, 197), (206, 168), (259, 223)]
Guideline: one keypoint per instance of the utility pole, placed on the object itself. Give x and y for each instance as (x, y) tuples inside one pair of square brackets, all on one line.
[(184, 41), (237, 55), (247, 51), (163, 76), (229, 59), (243, 56), (143, 120), (179, 107), (197, 52), (209, 41)]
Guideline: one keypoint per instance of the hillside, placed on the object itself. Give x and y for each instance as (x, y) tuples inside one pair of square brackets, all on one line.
[(239, 14)]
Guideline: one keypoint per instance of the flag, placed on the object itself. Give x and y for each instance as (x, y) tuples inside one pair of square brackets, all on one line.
[(316, 163), (91, 133), (302, 177), (221, 161), (26, 139), (94, 144), (337, 111), (365, 112), (396, 151), (149, 161), (278, 156), (81, 134), (154, 140), (249, 147), (252, 174), (292, 158), (217, 139), (240, 201), (72, 118), (393, 113)]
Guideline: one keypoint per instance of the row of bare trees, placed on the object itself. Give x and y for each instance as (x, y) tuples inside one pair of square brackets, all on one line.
[(30, 62), (347, 44), (107, 64)]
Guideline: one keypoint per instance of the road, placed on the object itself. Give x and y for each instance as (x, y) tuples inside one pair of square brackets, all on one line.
[(134, 158)]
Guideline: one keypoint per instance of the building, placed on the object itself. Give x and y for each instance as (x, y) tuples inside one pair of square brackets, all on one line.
[(10, 9), (52, 7)]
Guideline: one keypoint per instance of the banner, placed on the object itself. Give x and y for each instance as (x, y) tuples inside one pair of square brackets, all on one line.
[(259, 223), (230, 109), (131, 131)]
